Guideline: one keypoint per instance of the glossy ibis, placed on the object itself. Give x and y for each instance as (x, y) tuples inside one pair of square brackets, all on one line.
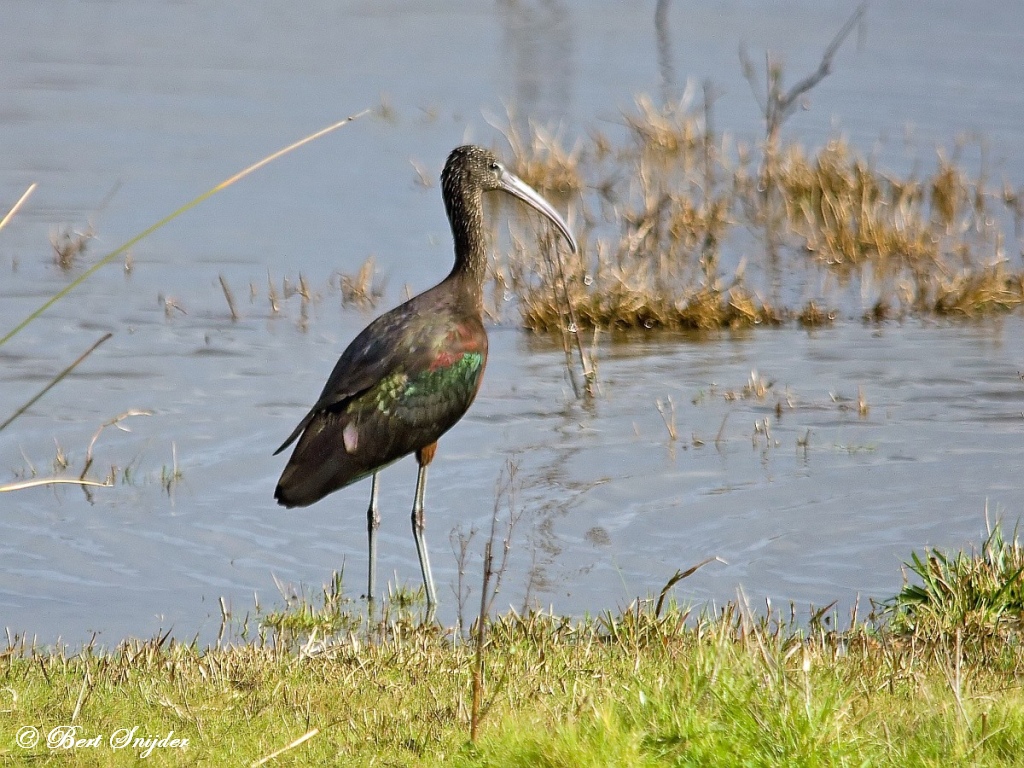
[(412, 373)]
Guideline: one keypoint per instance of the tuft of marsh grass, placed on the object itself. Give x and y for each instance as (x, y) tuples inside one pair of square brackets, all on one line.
[(813, 316), (543, 161), (364, 289), (756, 387), (69, 244), (667, 410), (978, 595), (385, 110), (933, 239), (172, 475), (302, 621), (660, 216)]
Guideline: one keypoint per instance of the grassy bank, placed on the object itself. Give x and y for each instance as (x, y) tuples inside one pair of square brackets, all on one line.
[(934, 678)]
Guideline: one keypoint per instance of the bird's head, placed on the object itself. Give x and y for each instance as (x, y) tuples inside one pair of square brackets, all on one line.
[(471, 167)]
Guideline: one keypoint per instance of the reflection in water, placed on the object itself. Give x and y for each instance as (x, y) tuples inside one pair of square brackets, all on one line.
[(665, 64), (538, 47)]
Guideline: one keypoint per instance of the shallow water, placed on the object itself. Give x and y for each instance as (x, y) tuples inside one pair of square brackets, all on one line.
[(165, 100)]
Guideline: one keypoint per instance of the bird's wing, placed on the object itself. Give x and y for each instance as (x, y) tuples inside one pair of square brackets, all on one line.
[(371, 357)]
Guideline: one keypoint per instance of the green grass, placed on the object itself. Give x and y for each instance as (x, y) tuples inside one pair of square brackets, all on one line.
[(644, 687), (978, 595)]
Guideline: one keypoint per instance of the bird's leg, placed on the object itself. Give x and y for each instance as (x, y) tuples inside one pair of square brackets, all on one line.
[(419, 525), (372, 524)]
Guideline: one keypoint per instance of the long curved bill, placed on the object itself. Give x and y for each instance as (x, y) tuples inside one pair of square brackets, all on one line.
[(515, 186)]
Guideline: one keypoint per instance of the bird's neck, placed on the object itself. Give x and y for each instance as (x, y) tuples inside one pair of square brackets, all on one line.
[(465, 214)]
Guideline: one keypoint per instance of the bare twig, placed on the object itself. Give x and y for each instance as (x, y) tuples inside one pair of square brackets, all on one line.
[(460, 542), (710, 149), (776, 105), (481, 634), (573, 330), (661, 28), (787, 103), (505, 488), (721, 431), (229, 297)]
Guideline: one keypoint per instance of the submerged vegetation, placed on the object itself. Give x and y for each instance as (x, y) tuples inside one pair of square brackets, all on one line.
[(656, 684)]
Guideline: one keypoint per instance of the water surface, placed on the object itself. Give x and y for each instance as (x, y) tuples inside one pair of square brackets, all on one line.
[(160, 101)]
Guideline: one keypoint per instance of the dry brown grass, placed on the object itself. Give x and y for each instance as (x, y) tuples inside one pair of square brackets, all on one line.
[(845, 213), (69, 244), (670, 130), (543, 162), (982, 291), (660, 269), (658, 214), (363, 289), (813, 316)]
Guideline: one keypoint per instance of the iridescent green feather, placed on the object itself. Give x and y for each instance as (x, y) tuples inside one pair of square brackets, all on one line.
[(390, 391), (453, 382), (460, 373)]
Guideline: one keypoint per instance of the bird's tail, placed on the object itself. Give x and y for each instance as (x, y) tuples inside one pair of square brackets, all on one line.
[(318, 466)]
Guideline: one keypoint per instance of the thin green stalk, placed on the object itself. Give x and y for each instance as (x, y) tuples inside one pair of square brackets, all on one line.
[(53, 382), (167, 219)]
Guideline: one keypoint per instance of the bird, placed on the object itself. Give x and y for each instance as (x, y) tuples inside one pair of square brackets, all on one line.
[(412, 373)]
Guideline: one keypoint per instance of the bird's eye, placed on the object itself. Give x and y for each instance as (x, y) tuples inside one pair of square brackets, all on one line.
[(495, 165)]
